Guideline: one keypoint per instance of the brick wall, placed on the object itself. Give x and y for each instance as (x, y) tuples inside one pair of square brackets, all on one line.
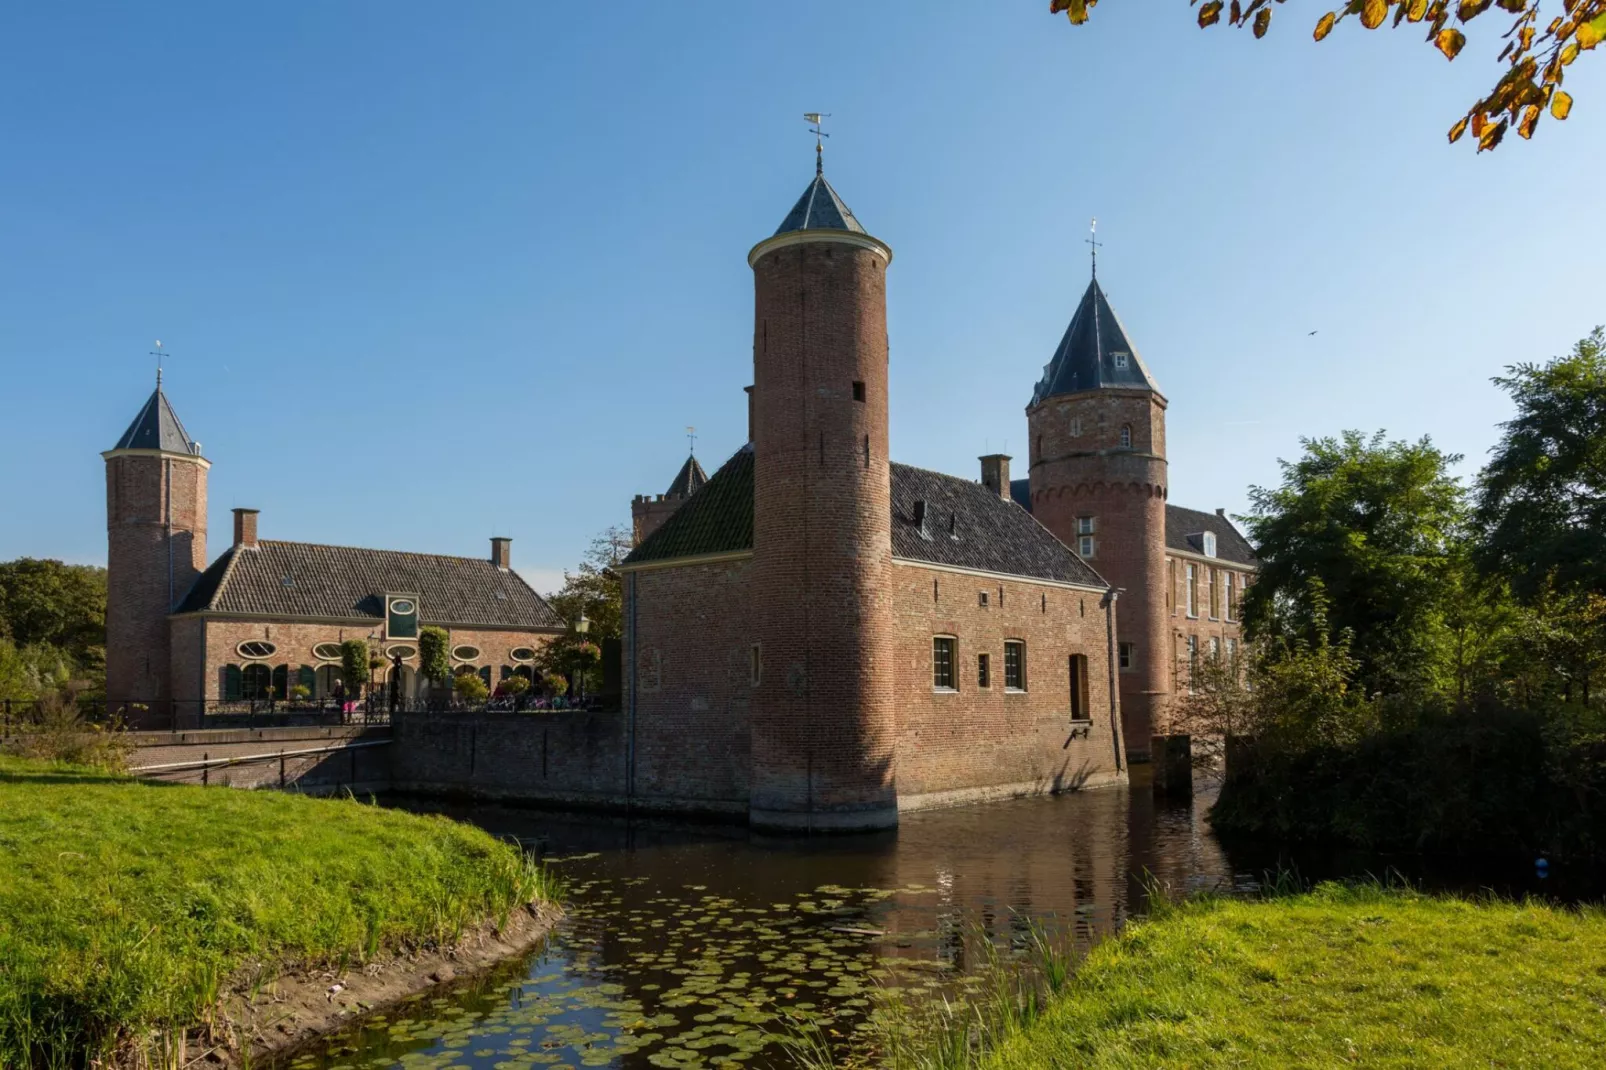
[(647, 514), (362, 769), (978, 742)]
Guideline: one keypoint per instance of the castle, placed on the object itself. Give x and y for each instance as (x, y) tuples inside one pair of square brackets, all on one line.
[(264, 622), (822, 637)]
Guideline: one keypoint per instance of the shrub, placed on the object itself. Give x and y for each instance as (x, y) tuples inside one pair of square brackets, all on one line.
[(354, 665), (514, 685), (60, 734), (470, 688), (433, 661)]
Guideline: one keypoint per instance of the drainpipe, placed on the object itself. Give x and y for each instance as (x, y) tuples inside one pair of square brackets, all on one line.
[(1107, 603)]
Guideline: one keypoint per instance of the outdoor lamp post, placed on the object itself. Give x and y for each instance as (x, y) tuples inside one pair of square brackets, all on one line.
[(581, 627)]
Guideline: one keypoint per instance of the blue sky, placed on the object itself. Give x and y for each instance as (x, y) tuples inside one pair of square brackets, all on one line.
[(433, 272)]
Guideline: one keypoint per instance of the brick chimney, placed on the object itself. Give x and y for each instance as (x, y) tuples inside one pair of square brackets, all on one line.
[(995, 474), (245, 528), (502, 553)]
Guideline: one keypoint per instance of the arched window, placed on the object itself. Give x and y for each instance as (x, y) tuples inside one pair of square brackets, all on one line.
[(281, 681), (307, 677), (255, 681), (1126, 436)]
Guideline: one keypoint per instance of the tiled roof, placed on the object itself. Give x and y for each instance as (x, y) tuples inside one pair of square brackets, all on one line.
[(1184, 528), (156, 427), (967, 526), (688, 479), (298, 579), (1094, 354), (820, 209), (717, 519)]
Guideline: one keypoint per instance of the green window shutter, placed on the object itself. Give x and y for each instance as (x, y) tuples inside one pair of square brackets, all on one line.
[(281, 681), (485, 674), (231, 683), (507, 670), (307, 677)]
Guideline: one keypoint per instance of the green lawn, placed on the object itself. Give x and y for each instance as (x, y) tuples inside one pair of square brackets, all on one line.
[(124, 906), (1336, 977)]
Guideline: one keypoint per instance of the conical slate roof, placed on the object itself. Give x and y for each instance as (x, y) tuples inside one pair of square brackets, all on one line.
[(690, 477), (157, 428), (1094, 354), (820, 209)]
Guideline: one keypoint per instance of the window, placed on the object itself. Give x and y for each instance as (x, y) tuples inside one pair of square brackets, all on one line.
[(984, 670), (1120, 356), (1232, 655), (981, 599), (255, 681), (1215, 649), (401, 650), (1208, 541), (1229, 610), (1076, 427), (942, 663), (466, 653), (755, 665), (1014, 665), (1126, 436), (1081, 708), (1086, 525), (1211, 593), (1189, 581), (1126, 656), (1193, 660), (858, 391), (1171, 585), (401, 617), (522, 653), (1086, 545), (326, 651), (256, 648)]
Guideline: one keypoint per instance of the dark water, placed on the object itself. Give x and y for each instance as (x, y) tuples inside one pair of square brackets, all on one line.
[(694, 946)]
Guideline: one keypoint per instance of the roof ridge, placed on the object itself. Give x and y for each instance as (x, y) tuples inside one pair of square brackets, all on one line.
[(370, 549)]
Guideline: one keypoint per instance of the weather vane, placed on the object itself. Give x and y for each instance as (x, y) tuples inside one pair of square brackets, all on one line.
[(691, 439), (1092, 239), (817, 122), (157, 353)]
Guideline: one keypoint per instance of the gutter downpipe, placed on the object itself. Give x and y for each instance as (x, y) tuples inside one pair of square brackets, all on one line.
[(1107, 603)]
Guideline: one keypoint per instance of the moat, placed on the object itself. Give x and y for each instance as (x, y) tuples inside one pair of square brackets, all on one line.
[(689, 946)]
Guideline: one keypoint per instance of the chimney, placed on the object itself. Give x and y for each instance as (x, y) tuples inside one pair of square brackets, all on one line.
[(502, 553), (245, 528), (995, 474), (1221, 513), (920, 518), (749, 391)]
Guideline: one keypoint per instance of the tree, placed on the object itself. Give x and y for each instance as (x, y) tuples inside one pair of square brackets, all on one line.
[(354, 665), (1536, 55), (1542, 499), (46, 603), (595, 588), (1374, 523), (433, 660)]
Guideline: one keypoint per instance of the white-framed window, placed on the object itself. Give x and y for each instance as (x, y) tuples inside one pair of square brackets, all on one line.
[(1211, 593), (981, 599), (1193, 660), (326, 651), (1086, 525), (984, 670), (1215, 648), (1014, 665), (466, 653), (1228, 592), (256, 648), (401, 650), (943, 649), (1232, 655), (755, 665), (1126, 436), (522, 653), (1208, 541), (1121, 357), (1127, 655), (1190, 582), (1086, 545)]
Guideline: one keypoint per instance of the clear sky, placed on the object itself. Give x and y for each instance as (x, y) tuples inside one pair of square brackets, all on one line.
[(434, 272)]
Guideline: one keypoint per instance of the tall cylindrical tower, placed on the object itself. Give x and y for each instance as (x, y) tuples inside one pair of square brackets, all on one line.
[(823, 723), (156, 548), (1098, 481)]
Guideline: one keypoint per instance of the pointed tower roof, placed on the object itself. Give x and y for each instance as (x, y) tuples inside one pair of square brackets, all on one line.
[(1095, 354), (157, 427), (688, 479), (820, 209)]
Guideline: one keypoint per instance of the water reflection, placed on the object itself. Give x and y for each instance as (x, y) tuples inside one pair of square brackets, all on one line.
[(691, 945)]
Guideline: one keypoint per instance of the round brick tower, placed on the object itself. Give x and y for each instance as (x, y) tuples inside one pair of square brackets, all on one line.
[(823, 723), (156, 547), (1098, 481)]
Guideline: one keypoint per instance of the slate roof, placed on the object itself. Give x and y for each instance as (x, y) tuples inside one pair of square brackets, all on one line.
[(688, 479), (156, 427), (1088, 353), (299, 579), (1183, 528), (993, 535), (820, 209)]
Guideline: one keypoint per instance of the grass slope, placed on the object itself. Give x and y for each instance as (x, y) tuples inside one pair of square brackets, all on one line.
[(1338, 976), (125, 906)]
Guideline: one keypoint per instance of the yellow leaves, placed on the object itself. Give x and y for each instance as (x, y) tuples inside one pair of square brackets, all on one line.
[(1561, 104), (1076, 10), (1530, 118), (1262, 22), (1415, 10), (1591, 33), (1325, 26), (1210, 13), (1373, 12), (1457, 130), (1471, 9), (1450, 42), (1491, 136)]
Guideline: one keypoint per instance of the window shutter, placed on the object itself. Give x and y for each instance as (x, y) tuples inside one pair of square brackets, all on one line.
[(231, 683), (281, 681), (307, 677)]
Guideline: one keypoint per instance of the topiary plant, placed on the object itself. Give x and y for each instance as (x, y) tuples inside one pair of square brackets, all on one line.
[(354, 664), (433, 660), (470, 688)]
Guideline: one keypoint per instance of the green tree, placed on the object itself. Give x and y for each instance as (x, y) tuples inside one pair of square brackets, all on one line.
[(46, 604), (354, 666), (470, 688), (1375, 524), (595, 588), (1536, 55), (1542, 499), (433, 654)]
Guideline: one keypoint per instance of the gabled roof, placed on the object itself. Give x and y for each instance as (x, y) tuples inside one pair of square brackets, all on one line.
[(1184, 529), (299, 579), (967, 526), (1094, 354), (156, 427), (687, 480), (820, 209)]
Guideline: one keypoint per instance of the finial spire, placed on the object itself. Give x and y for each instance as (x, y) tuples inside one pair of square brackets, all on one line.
[(691, 440), (816, 119), (1092, 239), (157, 353)]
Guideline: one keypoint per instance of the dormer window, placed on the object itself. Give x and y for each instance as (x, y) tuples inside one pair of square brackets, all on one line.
[(1209, 542), (1120, 358)]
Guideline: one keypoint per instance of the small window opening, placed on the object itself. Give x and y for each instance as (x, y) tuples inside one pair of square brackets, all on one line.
[(1125, 656), (1081, 710), (981, 599), (858, 391), (1045, 602), (1120, 358), (984, 670), (934, 590), (1126, 436)]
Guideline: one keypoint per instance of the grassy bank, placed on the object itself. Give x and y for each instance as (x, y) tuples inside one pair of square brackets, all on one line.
[(1337, 976), (126, 906)]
